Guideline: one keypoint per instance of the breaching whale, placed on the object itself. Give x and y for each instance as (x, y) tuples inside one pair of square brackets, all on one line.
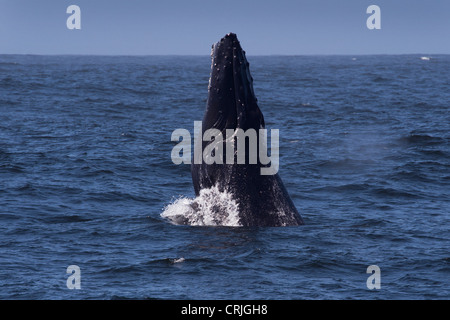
[(262, 199)]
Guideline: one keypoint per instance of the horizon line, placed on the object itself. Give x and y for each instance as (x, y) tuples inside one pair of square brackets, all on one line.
[(207, 55)]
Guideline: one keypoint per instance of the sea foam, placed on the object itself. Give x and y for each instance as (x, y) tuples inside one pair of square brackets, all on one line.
[(211, 208)]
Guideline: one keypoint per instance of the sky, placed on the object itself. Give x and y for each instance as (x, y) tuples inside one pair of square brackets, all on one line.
[(190, 27)]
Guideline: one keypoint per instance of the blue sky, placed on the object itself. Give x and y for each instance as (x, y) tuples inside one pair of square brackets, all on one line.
[(141, 27)]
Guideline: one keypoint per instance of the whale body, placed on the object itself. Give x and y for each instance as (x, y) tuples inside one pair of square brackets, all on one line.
[(262, 200)]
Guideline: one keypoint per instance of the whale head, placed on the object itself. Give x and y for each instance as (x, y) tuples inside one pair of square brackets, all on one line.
[(231, 100)]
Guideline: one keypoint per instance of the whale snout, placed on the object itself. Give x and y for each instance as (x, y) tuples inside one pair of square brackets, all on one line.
[(231, 96)]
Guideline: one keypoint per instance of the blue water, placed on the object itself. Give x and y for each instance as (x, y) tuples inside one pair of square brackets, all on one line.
[(85, 173)]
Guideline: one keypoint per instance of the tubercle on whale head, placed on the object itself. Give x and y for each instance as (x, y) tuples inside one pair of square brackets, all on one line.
[(231, 99)]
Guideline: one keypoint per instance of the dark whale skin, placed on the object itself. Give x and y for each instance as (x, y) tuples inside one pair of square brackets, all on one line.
[(262, 199)]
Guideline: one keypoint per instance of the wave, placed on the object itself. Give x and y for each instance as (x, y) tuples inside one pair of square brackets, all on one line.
[(211, 208), (422, 139)]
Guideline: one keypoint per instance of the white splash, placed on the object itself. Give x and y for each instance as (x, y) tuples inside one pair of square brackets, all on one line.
[(210, 208), (177, 260)]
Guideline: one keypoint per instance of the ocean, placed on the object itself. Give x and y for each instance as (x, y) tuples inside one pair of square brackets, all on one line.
[(86, 176)]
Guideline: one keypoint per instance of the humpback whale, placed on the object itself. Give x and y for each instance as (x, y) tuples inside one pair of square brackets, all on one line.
[(262, 199)]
